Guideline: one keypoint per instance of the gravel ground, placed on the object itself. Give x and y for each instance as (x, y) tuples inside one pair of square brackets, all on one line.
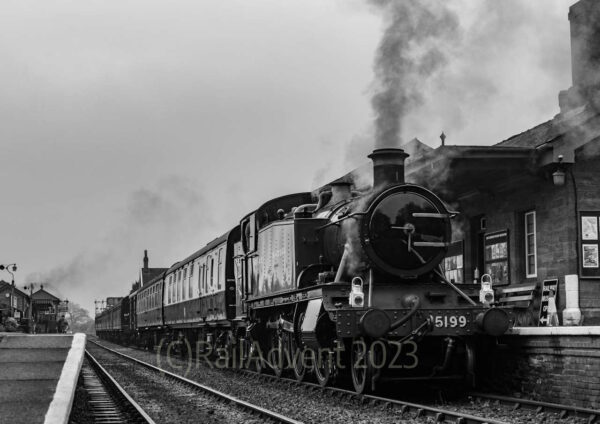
[(506, 413), (316, 407), (165, 400)]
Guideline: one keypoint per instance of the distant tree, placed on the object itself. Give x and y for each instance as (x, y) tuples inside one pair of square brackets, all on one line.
[(81, 321)]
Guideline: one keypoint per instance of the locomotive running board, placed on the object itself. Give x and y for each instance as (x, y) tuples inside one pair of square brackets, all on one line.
[(287, 298), (434, 215)]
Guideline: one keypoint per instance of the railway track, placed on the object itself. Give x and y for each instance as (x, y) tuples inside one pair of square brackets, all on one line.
[(108, 402), (540, 408), (406, 410), (517, 409), (263, 414)]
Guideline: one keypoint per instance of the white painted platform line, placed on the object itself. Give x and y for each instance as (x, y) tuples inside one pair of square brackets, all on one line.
[(555, 331), (60, 407)]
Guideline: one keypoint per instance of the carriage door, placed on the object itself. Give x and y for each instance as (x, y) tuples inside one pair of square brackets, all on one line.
[(238, 272), (249, 248)]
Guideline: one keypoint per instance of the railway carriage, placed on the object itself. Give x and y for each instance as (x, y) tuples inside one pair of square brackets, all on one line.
[(199, 297), (108, 323), (149, 323)]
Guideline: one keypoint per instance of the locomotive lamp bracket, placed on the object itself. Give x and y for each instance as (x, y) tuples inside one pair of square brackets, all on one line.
[(486, 294), (357, 296)]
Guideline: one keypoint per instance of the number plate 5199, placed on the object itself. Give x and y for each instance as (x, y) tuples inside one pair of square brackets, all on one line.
[(452, 321)]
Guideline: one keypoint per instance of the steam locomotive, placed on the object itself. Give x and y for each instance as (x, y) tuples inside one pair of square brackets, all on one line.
[(348, 284)]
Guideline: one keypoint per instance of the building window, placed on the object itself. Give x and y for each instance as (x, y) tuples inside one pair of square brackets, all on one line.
[(530, 245)]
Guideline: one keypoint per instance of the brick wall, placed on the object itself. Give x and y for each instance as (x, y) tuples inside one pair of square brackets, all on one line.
[(586, 172), (560, 369)]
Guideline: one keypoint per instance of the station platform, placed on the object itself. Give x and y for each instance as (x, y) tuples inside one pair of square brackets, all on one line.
[(38, 376)]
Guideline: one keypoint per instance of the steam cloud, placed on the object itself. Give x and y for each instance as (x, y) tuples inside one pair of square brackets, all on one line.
[(410, 52), (171, 219)]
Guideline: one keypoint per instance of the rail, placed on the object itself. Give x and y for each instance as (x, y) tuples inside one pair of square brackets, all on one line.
[(120, 407), (541, 407)]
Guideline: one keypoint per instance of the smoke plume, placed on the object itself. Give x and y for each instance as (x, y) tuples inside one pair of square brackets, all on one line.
[(171, 220), (410, 52)]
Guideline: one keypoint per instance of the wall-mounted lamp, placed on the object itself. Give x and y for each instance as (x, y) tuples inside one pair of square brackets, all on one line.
[(558, 176)]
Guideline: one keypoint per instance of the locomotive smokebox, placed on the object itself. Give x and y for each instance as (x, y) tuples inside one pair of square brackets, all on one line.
[(388, 166)]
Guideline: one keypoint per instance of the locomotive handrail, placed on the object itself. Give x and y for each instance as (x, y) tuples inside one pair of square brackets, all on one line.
[(459, 291), (352, 215)]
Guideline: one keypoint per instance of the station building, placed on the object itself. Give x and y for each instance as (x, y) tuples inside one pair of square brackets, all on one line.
[(530, 205)]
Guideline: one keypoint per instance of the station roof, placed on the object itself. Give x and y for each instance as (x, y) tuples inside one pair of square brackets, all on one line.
[(5, 286)]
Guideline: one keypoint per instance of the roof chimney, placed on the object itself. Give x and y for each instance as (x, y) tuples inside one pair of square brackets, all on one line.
[(145, 259), (388, 166), (584, 17)]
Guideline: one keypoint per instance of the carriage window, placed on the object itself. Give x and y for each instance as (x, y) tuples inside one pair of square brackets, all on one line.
[(212, 273), (220, 270), (199, 279), (190, 285)]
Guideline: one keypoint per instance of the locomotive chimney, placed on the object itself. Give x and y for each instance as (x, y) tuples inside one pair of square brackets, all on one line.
[(340, 190), (388, 166), (145, 259)]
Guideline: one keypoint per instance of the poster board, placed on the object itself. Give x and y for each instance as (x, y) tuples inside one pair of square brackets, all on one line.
[(453, 263), (589, 244), (496, 257), (547, 285)]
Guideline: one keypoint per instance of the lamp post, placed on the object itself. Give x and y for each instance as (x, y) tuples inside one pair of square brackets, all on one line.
[(30, 286), (8, 269)]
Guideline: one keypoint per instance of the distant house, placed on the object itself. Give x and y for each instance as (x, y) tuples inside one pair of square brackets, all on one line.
[(20, 301), (43, 303)]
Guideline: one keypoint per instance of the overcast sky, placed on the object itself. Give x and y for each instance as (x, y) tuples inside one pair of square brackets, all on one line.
[(129, 125)]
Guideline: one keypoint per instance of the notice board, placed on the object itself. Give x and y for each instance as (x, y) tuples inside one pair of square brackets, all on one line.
[(547, 286)]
